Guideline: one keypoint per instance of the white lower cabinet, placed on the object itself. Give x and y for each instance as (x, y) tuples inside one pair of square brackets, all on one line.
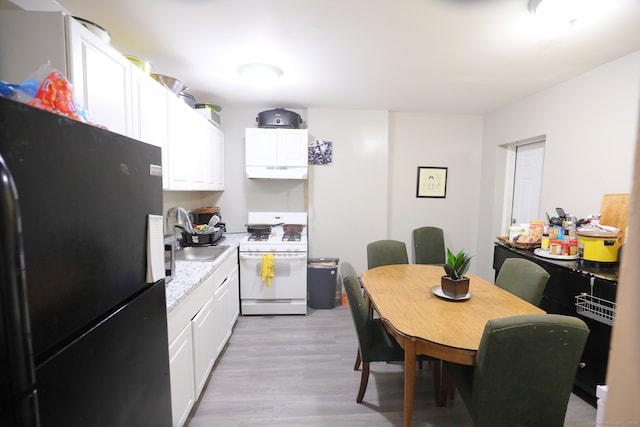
[(183, 394), (199, 327), (226, 308), (204, 330)]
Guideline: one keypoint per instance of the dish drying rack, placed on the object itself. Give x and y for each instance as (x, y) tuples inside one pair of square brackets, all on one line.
[(595, 308)]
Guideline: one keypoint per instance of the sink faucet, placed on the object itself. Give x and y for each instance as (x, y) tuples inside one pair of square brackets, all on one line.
[(178, 218)]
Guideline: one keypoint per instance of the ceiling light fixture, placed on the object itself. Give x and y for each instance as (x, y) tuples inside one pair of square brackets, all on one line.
[(558, 10), (260, 74)]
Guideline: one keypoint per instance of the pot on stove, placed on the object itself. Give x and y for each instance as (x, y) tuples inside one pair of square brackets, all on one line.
[(260, 228), (292, 228)]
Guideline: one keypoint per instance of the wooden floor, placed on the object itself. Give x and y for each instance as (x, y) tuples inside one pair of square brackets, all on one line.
[(298, 371)]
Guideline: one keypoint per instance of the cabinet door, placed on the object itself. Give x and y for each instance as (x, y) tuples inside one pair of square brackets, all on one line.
[(261, 147), (233, 298), (149, 105), (204, 345), (216, 170), (182, 379), (101, 78), (222, 332), (181, 145), (292, 147)]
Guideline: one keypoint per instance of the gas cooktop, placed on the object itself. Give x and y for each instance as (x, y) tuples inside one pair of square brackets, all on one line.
[(276, 240)]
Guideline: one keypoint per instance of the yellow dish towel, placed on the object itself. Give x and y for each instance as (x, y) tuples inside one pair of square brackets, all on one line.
[(266, 270)]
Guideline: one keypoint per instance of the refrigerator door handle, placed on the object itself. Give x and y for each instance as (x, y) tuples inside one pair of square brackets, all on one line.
[(13, 301)]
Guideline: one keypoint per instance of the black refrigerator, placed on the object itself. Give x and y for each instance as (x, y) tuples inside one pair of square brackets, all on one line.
[(83, 336)]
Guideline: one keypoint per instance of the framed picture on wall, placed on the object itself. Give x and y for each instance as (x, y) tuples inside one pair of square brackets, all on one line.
[(432, 182)]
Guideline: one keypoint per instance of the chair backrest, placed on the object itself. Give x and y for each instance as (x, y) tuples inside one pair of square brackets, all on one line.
[(386, 252), (357, 305), (428, 245), (525, 369), (523, 278)]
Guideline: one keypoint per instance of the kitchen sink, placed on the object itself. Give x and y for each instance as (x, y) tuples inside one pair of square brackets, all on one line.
[(200, 253)]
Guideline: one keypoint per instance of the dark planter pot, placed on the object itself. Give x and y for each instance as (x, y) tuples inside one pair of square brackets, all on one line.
[(454, 288)]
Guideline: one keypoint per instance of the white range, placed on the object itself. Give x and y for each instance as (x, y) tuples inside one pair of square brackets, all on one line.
[(287, 291)]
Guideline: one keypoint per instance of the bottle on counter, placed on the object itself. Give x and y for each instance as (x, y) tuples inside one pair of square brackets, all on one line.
[(573, 247), (555, 247), (572, 230), (544, 244)]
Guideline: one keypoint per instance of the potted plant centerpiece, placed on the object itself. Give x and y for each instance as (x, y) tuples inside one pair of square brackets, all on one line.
[(453, 283)]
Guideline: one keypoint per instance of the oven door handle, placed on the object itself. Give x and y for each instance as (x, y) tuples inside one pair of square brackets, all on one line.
[(297, 256)]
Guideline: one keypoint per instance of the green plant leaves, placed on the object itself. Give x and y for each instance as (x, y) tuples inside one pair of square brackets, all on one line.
[(457, 264)]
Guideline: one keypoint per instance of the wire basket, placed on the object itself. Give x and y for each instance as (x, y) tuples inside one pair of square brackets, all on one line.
[(596, 308)]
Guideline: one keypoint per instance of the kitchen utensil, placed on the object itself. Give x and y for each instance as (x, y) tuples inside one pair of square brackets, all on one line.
[(261, 228), (95, 29), (188, 99), (279, 118), (557, 220), (292, 228), (214, 107), (174, 85), (143, 64), (598, 246), (202, 215), (209, 111), (215, 219), (613, 211)]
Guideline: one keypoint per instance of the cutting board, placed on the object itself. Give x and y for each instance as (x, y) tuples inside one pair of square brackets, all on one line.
[(613, 211)]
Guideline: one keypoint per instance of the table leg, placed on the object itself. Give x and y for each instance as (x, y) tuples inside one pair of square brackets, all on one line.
[(440, 382), (409, 380)]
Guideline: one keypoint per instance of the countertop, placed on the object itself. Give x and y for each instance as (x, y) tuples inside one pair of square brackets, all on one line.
[(190, 274), (604, 272)]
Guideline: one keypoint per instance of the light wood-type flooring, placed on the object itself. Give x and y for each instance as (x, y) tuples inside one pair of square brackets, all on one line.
[(298, 371)]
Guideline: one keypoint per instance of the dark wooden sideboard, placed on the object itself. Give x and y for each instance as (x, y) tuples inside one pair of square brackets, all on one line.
[(568, 279)]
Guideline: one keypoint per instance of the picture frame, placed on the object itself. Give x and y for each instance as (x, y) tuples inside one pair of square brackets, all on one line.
[(432, 182)]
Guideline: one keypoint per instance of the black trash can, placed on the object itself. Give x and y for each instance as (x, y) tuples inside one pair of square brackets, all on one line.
[(322, 278)]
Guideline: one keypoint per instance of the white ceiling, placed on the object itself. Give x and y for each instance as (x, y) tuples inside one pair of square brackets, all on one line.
[(444, 56)]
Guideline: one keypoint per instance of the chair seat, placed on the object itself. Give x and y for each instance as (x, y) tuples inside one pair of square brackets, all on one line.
[(383, 347)]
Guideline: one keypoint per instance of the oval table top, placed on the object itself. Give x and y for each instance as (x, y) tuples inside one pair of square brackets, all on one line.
[(402, 296)]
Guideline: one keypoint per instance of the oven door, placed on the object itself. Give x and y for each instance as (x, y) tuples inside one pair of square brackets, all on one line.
[(289, 281)]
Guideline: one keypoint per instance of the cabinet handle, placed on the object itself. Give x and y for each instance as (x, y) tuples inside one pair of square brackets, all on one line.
[(582, 364)]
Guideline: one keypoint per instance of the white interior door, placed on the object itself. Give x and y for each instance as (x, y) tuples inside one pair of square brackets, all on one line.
[(527, 183)]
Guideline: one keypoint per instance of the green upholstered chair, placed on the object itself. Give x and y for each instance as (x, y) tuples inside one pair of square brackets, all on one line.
[(523, 278), (374, 343), (386, 252), (524, 372), (428, 245)]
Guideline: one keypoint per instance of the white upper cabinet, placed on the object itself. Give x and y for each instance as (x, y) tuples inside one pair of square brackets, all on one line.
[(276, 153), (216, 145), (101, 78), (149, 109), (195, 150), (100, 75), (115, 93)]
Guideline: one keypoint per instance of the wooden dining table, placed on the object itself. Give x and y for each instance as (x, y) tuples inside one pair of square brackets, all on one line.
[(404, 296)]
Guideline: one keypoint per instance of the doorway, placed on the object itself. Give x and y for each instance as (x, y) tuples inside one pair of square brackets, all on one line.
[(527, 181)]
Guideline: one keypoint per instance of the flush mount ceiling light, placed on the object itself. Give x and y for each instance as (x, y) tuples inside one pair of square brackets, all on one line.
[(260, 74), (558, 10)]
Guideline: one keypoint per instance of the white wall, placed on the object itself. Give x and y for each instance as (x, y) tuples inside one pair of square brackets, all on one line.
[(348, 199), (452, 141), (590, 123), (369, 193)]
